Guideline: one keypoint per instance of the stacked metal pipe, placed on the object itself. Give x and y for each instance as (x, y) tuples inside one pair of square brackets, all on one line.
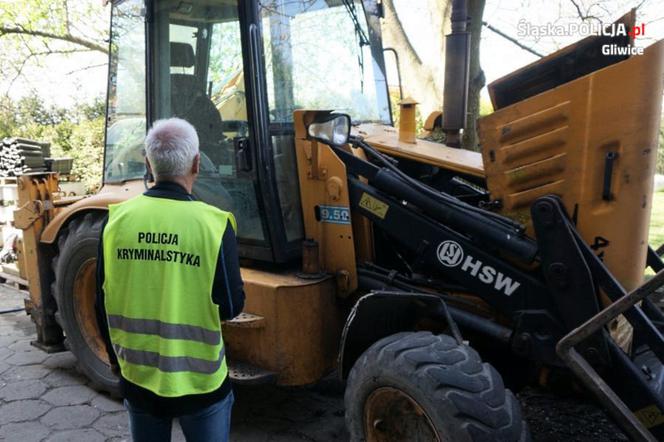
[(20, 155)]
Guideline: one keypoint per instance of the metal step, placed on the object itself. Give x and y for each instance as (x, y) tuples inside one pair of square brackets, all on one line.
[(243, 373), (246, 320)]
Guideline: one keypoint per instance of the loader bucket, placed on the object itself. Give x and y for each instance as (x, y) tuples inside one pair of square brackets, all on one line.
[(639, 410)]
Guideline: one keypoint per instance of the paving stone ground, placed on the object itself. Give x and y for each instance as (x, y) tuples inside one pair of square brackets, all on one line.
[(44, 398)]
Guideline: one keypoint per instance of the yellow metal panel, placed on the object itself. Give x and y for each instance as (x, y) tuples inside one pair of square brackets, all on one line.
[(362, 227), (408, 121), (430, 123), (109, 194), (386, 140), (299, 337), (650, 416), (556, 142), (323, 184), (36, 209)]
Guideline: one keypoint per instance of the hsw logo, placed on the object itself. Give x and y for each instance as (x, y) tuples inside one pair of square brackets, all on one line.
[(451, 254)]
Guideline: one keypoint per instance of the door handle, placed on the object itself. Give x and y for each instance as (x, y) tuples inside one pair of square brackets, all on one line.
[(609, 161), (243, 160)]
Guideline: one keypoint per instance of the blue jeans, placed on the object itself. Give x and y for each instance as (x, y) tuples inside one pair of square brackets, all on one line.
[(211, 424)]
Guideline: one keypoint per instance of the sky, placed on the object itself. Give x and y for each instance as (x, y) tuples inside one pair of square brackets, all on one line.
[(66, 82), (499, 57)]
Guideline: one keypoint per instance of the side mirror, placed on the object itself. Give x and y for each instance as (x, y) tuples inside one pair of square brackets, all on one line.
[(332, 129)]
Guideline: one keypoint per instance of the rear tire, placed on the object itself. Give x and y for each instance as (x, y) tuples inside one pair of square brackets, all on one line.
[(420, 386), (75, 291)]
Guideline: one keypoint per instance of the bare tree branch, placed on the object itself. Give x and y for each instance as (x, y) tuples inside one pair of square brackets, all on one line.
[(583, 16), (32, 55), (66, 6), (512, 40), (655, 20), (19, 30), (94, 66)]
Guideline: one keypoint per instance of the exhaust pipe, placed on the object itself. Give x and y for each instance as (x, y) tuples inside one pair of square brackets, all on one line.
[(457, 68)]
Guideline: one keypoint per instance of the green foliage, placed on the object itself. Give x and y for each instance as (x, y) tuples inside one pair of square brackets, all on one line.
[(34, 31), (76, 133), (394, 101), (485, 106), (86, 148), (94, 110), (656, 236), (656, 231)]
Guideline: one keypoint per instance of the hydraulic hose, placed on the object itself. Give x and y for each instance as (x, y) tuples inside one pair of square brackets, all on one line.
[(435, 194), (480, 224)]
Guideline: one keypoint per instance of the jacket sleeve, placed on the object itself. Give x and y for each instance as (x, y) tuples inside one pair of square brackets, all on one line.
[(228, 289), (100, 309)]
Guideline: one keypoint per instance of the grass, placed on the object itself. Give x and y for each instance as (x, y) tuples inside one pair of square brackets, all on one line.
[(656, 237), (656, 232)]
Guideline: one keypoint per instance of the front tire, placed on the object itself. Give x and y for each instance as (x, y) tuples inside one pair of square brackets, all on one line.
[(74, 289), (423, 387)]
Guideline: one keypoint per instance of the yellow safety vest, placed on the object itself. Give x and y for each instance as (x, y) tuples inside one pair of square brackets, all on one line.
[(160, 257)]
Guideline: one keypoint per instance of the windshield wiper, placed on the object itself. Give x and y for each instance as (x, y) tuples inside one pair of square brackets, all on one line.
[(352, 13), (362, 38)]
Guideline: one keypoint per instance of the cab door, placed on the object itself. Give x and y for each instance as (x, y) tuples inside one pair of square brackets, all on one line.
[(200, 73)]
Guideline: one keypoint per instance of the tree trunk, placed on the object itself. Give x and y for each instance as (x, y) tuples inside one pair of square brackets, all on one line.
[(477, 80), (423, 81)]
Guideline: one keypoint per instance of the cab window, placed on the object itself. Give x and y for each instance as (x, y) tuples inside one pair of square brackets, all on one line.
[(126, 118), (199, 76)]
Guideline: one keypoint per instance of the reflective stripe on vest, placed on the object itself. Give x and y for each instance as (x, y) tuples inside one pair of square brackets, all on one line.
[(169, 363), (165, 330), (160, 257)]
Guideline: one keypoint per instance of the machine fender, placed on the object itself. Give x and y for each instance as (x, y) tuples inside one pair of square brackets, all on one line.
[(380, 314), (53, 229), (110, 194)]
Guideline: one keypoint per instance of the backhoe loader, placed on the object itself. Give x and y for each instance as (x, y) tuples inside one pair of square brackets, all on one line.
[(432, 279)]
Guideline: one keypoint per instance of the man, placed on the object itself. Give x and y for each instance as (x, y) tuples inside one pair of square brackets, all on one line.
[(168, 272)]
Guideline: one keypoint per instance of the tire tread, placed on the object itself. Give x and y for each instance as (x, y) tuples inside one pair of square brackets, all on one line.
[(80, 228), (451, 374)]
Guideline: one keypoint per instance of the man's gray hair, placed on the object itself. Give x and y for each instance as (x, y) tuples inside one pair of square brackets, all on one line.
[(171, 146)]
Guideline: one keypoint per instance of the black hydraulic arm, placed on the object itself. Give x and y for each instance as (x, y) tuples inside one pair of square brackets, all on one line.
[(573, 270), (448, 253), (480, 226), (616, 405), (568, 276), (643, 326), (467, 246)]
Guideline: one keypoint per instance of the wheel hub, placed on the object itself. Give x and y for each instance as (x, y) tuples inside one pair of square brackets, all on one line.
[(84, 298), (391, 415)]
